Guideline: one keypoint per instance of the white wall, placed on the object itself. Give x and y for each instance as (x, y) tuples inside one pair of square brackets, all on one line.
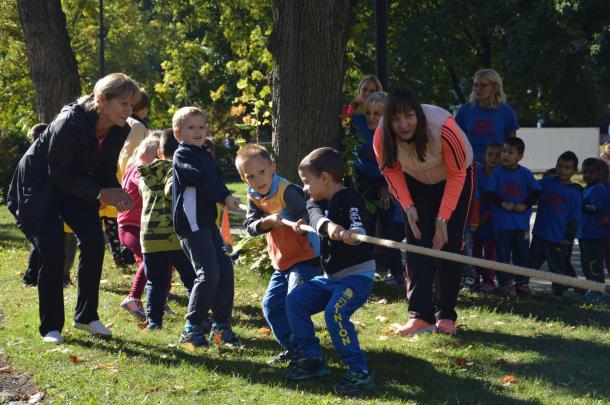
[(544, 145)]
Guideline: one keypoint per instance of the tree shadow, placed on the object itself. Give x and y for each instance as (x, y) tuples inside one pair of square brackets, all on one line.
[(12, 238), (390, 293)]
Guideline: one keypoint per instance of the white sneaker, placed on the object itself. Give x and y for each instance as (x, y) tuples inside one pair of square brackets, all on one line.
[(95, 328), (53, 337)]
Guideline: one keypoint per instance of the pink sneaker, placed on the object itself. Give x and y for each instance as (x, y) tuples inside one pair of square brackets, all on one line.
[(415, 326), (446, 326), (134, 306)]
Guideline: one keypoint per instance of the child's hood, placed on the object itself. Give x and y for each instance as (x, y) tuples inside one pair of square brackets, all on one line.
[(155, 173)]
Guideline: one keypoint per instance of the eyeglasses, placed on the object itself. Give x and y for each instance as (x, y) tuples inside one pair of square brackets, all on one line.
[(480, 85)]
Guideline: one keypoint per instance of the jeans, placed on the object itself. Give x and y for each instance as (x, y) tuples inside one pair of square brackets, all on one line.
[(339, 299), (214, 285), (553, 253), (274, 302), (592, 258), (513, 244), (156, 266)]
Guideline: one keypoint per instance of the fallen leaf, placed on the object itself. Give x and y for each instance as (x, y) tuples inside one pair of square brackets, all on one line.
[(459, 362), (218, 338), (509, 379), (178, 387), (59, 349), (498, 323), (254, 296), (381, 318), (382, 301), (359, 324), (264, 331), (142, 325), (110, 325), (108, 366), (36, 398), (172, 345), (384, 337), (268, 370), (74, 359), (6, 369), (104, 281), (188, 347)]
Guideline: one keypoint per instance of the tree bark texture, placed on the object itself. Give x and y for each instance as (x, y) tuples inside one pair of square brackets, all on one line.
[(53, 67), (308, 47)]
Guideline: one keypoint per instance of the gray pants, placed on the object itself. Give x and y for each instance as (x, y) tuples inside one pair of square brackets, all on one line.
[(214, 286)]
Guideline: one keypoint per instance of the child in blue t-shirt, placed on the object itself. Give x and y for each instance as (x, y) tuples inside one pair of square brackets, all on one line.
[(593, 229), (484, 244), (557, 218), (512, 190)]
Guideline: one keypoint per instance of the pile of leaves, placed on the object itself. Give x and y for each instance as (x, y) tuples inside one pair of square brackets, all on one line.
[(251, 252)]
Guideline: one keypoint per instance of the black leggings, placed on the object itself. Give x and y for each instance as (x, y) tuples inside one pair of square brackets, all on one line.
[(420, 268)]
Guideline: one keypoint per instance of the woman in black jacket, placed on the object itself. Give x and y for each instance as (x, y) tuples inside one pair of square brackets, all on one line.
[(64, 177)]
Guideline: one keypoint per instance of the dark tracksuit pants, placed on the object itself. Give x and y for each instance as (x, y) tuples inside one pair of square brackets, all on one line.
[(553, 253), (592, 258), (420, 268), (214, 285), (83, 217)]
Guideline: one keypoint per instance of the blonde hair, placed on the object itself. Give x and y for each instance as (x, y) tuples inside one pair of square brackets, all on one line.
[(149, 144), (182, 114), (494, 78), (250, 151), (376, 99), (114, 85), (369, 78)]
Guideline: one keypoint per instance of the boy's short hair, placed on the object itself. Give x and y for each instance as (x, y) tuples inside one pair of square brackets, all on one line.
[(592, 162), (144, 101), (182, 114), (324, 160), (250, 151), (376, 99), (516, 143), (36, 130), (569, 156), (168, 143), (493, 146)]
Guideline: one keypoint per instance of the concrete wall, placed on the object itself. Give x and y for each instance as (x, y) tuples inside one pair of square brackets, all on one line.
[(544, 145)]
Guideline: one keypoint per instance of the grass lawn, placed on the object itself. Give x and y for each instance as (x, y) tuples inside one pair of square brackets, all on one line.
[(559, 353)]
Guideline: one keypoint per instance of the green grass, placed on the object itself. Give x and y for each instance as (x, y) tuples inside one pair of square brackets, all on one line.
[(558, 351)]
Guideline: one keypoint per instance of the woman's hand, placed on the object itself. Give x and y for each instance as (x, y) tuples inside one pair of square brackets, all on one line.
[(384, 196), (413, 218), (117, 197), (232, 203), (440, 237)]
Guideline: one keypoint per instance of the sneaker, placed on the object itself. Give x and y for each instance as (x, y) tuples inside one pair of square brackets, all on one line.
[(282, 357), (154, 326), (53, 337), (134, 306), (415, 326), (508, 290), (168, 310), (469, 282), (195, 335), (488, 288), (303, 368), (95, 328), (354, 382), (223, 334), (390, 280), (28, 282), (523, 289), (446, 326)]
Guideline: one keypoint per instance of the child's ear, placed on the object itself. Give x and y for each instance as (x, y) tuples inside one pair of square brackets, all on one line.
[(273, 167), (325, 177), (177, 134)]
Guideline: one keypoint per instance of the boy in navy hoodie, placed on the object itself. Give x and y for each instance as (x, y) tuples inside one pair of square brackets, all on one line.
[(512, 190), (197, 187), (556, 219), (335, 212)]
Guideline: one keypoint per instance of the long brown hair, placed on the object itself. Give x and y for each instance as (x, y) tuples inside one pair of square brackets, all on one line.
[(399, 101)]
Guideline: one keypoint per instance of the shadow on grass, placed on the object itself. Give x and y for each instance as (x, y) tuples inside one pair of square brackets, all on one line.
[(399, 377), (578, 366), (11, 237), (542, 306)]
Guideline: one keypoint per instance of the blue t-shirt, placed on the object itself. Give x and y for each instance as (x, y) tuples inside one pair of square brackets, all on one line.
[(485, 125), (558, 205), (594, 209), (485, 219), (512, 186), (365, 155)]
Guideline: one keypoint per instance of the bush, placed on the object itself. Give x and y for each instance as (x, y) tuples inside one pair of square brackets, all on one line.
[(12, 147), (252, 251)]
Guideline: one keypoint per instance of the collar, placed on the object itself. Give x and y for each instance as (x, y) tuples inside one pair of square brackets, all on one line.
[(272, 190)]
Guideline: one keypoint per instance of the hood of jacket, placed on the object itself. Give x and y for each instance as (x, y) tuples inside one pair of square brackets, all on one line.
[(156, 173)]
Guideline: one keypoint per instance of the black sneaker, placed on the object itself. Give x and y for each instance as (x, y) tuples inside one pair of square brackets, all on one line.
[(304, 368), (282, 357), (354, 382), (195, 335), (223, 334)]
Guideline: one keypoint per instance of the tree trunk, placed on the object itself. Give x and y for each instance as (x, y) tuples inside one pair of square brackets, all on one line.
[(308, 47), (52, 63)]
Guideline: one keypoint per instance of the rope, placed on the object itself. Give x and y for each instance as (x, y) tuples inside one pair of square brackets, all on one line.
[(473, 261)]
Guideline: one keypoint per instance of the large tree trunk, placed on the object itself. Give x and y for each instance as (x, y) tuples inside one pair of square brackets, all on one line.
[(308, 47), (52, 64)]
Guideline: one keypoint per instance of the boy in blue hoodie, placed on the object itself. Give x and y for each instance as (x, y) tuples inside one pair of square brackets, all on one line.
[(197, 187)]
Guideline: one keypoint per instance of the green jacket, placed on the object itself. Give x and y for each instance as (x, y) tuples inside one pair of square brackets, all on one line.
[(157, 232)]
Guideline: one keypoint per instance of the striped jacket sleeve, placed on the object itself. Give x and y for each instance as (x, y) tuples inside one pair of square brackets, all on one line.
[(455, 159), (394, 176)]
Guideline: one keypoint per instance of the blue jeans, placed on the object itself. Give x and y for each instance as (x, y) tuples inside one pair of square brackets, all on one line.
[(513, 244), (339, 299), (274, 302), (156, 266), (214, 285)]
